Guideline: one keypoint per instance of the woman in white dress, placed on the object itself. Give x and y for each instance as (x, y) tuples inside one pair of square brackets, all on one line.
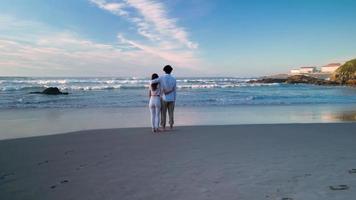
[(155, 103)]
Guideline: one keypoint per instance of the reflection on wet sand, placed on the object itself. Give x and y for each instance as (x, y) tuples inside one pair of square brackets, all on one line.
[(346, 116)]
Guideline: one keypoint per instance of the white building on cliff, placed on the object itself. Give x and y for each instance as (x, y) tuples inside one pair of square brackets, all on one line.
[(330, 68), (327, 69), (307, 70)]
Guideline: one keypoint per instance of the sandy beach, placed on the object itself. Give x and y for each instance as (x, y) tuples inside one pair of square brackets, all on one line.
[(289, 161)]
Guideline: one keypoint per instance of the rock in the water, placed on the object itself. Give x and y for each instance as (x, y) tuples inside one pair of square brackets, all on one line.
[(268, 80), (50, 91), (303, 79)]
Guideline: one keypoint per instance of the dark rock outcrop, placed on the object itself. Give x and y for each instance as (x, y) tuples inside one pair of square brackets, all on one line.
[(301, 79), (268, 80), (50, 91), (296, 79)]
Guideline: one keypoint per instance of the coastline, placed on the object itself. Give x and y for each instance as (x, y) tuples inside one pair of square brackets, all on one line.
[(271, 161)]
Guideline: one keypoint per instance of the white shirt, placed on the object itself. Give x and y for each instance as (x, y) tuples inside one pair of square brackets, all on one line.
[(168, 83)]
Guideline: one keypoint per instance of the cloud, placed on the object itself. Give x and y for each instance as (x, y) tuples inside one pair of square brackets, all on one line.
[(156, 18), (177, 57), (115, 8), (38, 49), (161, 36), (150, 18), (67, 54)]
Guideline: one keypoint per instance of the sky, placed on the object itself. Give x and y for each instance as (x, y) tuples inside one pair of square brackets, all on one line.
[(197, 37)]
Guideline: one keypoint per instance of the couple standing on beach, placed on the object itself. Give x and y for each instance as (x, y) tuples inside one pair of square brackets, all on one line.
[(162, 94)]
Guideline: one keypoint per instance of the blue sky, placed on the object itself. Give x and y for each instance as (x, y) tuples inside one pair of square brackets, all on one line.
[(198, 37)]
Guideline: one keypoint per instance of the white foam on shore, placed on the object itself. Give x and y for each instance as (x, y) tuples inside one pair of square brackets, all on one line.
[(113, 83)]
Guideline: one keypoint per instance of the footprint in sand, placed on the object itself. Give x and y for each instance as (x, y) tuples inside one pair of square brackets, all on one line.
[(4, 176), (68, 152), (42, 163), (339, 187), (107, 155), (81, 166), (62, 182)]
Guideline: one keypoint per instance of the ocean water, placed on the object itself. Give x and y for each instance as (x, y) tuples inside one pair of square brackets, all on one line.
[(192, 92), (95, 103)]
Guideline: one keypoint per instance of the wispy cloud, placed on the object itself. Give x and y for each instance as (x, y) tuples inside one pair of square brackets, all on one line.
[(33, 48), (155, 18), (115, 8), (67, 54), (161, 36), (37, 49), (179, 58), (151, 19)]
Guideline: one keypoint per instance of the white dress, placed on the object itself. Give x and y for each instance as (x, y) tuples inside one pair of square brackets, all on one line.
[(155, 106)]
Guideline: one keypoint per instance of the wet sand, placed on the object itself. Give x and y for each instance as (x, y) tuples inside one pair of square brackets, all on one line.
[(18, 123), (289, 161)]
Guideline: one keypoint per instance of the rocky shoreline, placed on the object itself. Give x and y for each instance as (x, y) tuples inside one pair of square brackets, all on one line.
[(297, 79), (344, 75)]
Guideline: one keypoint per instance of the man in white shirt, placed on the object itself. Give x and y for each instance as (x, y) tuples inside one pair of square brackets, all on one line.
[(168, 85)]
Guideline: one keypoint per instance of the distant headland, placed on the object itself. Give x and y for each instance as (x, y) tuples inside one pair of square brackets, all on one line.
[(330, 74)]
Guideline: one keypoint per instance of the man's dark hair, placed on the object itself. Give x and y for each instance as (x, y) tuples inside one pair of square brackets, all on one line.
[(168, 69)]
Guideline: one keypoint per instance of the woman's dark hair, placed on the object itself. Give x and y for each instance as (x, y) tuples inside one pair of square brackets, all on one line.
[(154, 85)]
